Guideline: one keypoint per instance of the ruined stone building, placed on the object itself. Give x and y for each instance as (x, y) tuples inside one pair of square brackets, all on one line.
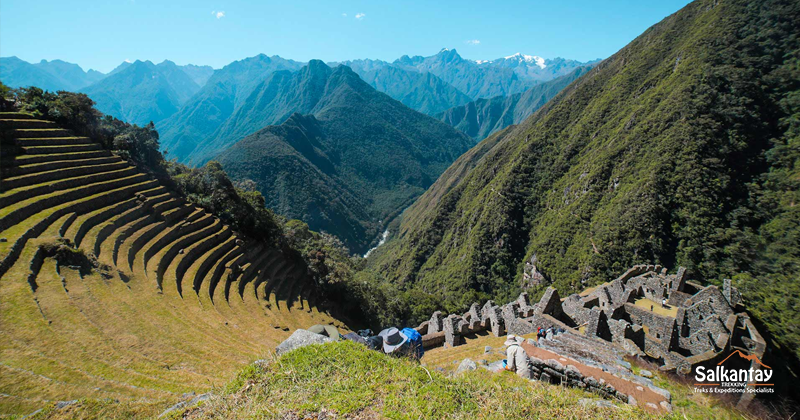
[(621, 317)]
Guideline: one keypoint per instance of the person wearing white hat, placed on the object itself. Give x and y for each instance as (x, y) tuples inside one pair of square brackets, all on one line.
[(394, 341), (517, 359)]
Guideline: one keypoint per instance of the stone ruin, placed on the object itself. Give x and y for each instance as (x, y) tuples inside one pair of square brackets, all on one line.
[(604, 324)]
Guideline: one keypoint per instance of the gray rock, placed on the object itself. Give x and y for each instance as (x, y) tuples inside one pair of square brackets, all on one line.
[(62, 404), (544, 377), (663, 392), (183, 404), (483, 362), (555, 365), (586, 402), (487, 350), (572, 372), (32, 414), (653, 406), (300, 338), (532, 342), (624, 364), (646, 373), (466, 364), (632, 401), (3, 240), (667, 406), (495, 366), (591, 381)]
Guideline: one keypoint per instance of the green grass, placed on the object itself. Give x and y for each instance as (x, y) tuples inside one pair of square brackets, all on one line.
[(346, 380)]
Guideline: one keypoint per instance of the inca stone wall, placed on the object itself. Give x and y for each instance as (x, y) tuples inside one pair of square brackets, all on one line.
[(609, 320)]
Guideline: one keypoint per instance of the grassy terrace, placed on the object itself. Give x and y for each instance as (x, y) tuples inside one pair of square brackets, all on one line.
[(102, 331), (345, 380)]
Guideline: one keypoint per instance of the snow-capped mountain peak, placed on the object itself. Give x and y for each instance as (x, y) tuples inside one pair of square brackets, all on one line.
[(539, 61)]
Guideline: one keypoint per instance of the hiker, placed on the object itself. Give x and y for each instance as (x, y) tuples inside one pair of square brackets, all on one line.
[(664, 302), (375, 343), (395, 342), (415, 342), (517, 359), (327, 330)]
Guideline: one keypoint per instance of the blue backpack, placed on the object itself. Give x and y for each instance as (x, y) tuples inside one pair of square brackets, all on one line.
[(415, 339)]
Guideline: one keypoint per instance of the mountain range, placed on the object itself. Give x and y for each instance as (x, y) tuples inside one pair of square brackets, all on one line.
[(143, 92), (679, 150), (482, 117), (349, 166), (48, 75), (226, 90)]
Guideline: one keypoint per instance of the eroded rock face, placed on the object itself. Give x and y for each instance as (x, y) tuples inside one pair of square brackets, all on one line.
[(300, 338)]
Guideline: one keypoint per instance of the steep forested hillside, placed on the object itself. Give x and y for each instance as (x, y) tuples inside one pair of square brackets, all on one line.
[(143, 92), (224, 92), (352, 165), (681, 149), (480, 118)]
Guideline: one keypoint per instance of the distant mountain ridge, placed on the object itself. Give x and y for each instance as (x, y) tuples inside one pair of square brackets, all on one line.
[(225, 91), (479, 119), (424, 92), (143, 92), (350, 165), (49, 75), (536, 68)]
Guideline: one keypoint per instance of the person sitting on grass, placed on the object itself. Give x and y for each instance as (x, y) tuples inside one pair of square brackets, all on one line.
[(517, 359)]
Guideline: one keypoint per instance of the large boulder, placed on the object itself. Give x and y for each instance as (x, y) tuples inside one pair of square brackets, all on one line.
[(466, 364), (300, 338)]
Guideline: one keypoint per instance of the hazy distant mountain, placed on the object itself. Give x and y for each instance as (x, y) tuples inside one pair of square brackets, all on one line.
[(424, 92), (475, 80), (358, 159), (481, 118), (531, 67), (198, 74), (224, 92), (122, 66), (49, 75), (143, 92)]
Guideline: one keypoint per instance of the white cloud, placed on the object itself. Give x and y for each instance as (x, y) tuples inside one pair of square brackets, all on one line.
[(219, 14), (360, 16), (472, 42), (128, 60), (344, 14)]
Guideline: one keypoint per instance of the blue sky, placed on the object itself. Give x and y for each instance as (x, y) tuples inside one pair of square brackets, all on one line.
[(101, 34)]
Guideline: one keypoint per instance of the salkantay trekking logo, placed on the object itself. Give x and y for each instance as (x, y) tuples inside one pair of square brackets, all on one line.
[(722, 380)]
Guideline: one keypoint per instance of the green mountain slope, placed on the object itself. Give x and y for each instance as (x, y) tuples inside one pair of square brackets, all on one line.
[(225, 91), (681, 149), (143, 92), (351, 167), (481, 118)]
